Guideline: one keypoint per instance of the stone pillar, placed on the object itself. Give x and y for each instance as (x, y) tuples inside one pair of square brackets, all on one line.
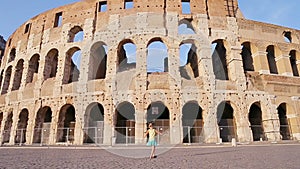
[(210, 127), (284, 65), (260, 62), (14, 126), (79, 117), (54, 124), (109, 121), (140, 125), (243, 129), (140, 90), (270, 121), (4, 119), (298, 65), (294, 119)]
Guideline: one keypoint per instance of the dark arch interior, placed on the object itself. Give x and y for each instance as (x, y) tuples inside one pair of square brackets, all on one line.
[(226, 121), (247, 57), (255, 119), (159, 115), (7, 128), (22, 125), (42, 125), (220, 61), (125, 125), (66, 124), (192, 123), (95, 124), (284, 125)]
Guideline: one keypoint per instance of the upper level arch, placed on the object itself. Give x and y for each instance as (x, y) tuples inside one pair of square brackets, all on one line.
[(51, 63), (76, 34), (185, 27), (157, 56), (33, 68), (126, 55), (219, 59), (72, 65), (97, 61)]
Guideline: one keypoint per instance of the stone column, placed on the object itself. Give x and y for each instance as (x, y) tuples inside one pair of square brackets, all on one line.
[(14, 126), (140, 90), (298, 66), (284, 65), (54, 124), (294, 119), (270, 121), (260, 62)]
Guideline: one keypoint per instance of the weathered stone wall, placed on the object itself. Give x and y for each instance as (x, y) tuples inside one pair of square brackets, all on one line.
[(102, 81)]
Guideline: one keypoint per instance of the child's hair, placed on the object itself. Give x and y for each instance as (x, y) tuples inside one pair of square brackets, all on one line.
[(150, 124)]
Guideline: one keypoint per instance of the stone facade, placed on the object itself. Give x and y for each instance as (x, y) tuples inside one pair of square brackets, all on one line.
[(238, 79), (2, 46)]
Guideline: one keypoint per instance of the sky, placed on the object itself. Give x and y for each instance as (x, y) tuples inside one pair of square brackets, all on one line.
[(14, 13)]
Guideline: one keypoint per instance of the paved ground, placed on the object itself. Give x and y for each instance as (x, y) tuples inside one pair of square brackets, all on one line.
[(216, 157)]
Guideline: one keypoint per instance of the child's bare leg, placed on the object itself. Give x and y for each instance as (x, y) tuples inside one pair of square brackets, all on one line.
[(152, 152)]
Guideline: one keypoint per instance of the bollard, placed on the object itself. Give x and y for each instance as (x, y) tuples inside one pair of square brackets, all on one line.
[(260, 139), (221, 141), (233, 142)]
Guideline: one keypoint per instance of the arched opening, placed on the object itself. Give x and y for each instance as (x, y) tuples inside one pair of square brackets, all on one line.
[(76, 34), (185, 27), (33, 69), (247, 57), (72, 65), (1, 77), (18, 75), (66, 124), (98, 59), (226, 121), (94, 124), (192, 123), (159, 114), (22, 127), (125, 124), (42, 125), (255, 119), (1, 118), (157, 56), (12, 55), (219, 60), (271, 59), (188, 61), (6, 80), (293, 61), (284, 123), (51, 63), (126, 56), (7, 128), (287, 36)]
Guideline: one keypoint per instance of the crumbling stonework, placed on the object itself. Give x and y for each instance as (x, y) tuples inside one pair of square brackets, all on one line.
[(240, 78)]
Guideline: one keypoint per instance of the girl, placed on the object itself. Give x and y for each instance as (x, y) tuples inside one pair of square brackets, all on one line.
[(152, 142)]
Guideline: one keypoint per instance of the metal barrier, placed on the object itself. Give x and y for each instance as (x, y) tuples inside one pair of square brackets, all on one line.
[(192, 134), (124, 135), (93, 135), (227, 133), (20, 136), (65, 135)]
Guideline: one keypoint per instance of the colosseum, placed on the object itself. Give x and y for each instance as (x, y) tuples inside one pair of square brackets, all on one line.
[(97, 71)]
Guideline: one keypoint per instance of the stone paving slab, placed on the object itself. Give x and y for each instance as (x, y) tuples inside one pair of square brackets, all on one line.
[(275, 156)]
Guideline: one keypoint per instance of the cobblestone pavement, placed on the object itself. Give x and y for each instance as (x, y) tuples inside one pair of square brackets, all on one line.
[(250, 156)]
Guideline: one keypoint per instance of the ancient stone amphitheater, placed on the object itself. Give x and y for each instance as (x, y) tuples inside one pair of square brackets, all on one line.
[(96, 72)]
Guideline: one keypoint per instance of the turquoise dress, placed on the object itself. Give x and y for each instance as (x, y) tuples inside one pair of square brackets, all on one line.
[(151, 141)]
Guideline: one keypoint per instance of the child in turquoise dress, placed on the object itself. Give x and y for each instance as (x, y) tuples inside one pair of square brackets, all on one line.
[(151, 141)]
